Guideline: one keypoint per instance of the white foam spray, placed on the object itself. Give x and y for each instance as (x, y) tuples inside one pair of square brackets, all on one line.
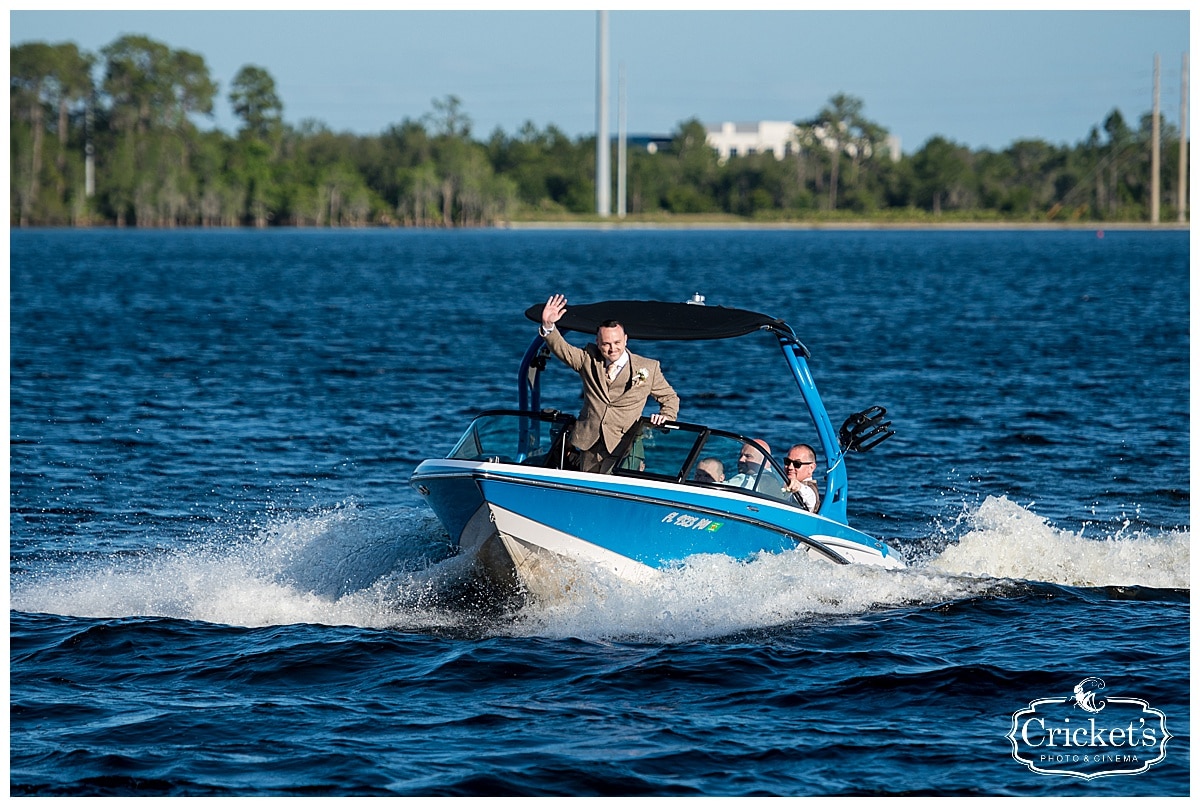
[(320, 568), (373, 569), (1004, 543), (1006, 540)]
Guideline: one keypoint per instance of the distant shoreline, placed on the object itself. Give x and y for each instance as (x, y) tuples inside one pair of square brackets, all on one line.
[(799, 225), (616, 224)]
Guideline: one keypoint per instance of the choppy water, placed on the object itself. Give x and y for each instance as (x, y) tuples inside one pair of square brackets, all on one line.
[(221, 583)]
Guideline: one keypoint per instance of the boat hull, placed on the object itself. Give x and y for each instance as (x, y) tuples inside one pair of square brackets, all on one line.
[(522, 521)]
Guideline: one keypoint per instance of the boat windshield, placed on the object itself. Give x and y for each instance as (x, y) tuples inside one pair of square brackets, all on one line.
[(527, 438), (676, 452), (682, 452)]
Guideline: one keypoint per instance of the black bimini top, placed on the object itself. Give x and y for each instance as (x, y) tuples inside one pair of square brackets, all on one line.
[(648, 319)]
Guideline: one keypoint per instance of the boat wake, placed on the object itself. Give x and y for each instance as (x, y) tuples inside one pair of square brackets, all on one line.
[(1005, 540), (320, 568), (389, 570), (1004, 551)]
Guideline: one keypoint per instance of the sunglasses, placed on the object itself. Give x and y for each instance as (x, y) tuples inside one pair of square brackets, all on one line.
[(797, 463)]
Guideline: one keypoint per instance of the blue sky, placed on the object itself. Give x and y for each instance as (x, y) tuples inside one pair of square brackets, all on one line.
[(981, 78)]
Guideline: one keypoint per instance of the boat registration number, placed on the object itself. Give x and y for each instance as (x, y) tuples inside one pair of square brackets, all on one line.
[(691, 522)]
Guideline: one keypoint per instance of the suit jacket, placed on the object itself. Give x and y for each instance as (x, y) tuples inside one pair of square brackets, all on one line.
[(610, 410)]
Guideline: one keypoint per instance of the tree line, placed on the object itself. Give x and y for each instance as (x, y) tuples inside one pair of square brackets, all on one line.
[(111, 139)]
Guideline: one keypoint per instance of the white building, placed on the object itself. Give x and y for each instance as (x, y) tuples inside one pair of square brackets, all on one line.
[(744, 139), (766, 137)]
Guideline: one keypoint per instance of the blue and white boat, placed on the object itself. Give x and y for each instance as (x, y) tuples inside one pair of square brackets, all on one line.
[(509, 494)]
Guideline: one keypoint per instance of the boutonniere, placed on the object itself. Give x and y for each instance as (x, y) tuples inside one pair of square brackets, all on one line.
[(640, 377)]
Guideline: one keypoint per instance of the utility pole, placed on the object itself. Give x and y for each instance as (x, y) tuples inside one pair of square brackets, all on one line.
[(603, 173), (89, 151), (1154, 149), (622, 165), (1183, 151)]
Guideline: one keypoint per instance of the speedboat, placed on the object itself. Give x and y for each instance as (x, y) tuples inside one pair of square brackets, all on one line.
[(511, 496)]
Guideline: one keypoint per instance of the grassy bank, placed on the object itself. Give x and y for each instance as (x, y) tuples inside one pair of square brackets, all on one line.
[(909, 220)]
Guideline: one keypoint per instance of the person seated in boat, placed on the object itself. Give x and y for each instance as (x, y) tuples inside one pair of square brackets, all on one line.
[(749, 462), (709, 470), (616, 384), (799, 465)]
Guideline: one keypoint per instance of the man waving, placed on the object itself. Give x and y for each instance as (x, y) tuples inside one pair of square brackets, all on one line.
[(616, 384)]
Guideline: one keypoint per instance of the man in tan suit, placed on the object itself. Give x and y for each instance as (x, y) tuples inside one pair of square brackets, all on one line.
[(616, 384)]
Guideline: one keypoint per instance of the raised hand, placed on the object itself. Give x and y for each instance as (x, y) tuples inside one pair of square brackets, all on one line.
[(556, 306)]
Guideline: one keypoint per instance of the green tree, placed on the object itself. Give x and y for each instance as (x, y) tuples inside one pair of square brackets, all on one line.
[(941, 168), (448, 118), (994, 174), (31, 67), (153, 92), (1117, 187), (249, 169), (544, 165), (73, 89), (695, 170), (754, 185), (417, 204), (1036, 168), (135, 80), (156, 167), (840, 129), (256, 102), (192, 89), (192, 93)]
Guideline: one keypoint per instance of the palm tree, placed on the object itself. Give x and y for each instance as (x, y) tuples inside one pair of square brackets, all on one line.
[(842, 129), (837, 119)]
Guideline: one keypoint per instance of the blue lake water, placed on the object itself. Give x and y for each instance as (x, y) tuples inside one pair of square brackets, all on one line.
[(222, 584)]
